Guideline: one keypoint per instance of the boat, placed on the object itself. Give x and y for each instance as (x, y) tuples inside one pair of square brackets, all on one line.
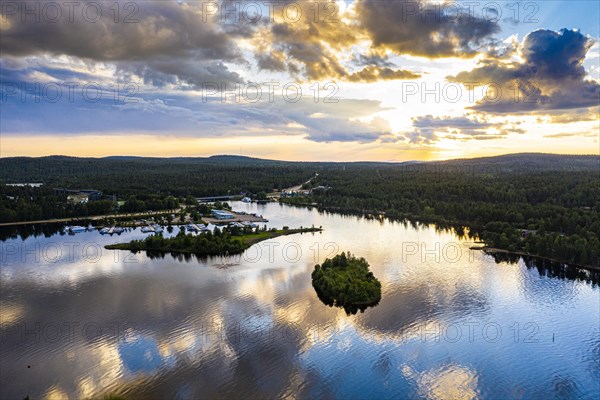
[(147, 229), (157, 228), (104, 230), (191, 228), (246, 200), (75, 229), (118, 230)]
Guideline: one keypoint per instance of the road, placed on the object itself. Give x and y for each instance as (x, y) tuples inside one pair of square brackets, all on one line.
[(93, 218), (276, 195)]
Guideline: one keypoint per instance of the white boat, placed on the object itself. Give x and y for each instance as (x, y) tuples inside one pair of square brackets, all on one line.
[(76, 228), (157, 228), (104, 230), (118, 230), (147, 229), (246, 200)]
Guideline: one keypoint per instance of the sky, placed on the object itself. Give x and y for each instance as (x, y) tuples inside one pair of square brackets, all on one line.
[(299, 80)]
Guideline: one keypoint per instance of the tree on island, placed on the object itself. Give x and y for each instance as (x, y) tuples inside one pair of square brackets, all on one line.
[(345, 281)]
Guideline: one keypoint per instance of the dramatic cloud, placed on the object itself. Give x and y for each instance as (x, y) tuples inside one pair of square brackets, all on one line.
[(157, 29), (429, 129), (307, 48), (167, 38), (188, 43), (313, 47), (423, 28), (550, 76)]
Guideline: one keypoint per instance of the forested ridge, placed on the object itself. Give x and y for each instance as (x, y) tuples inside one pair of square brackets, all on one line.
[(126, 176)]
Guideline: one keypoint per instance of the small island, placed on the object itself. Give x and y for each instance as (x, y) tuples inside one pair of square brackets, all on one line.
[(345, 281), (219, 242)]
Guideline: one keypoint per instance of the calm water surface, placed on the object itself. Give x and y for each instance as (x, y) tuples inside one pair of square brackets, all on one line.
[(79, 321)]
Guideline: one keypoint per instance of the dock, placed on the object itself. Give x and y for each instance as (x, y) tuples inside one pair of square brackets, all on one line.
[(237, 217)]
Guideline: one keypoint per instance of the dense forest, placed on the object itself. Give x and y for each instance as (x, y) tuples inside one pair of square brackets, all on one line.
[(24, 203), (345, 281), (142, 183), (179, 177), (539, 204), (552, 212), (209, 243)]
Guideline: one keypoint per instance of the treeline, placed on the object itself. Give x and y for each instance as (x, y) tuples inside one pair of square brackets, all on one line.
[(149, 202), (29, 204), (551, 213), (24, 203), (209, 243), (178, 177)]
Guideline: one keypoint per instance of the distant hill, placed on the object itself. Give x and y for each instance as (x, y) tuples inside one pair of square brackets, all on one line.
[(531, 160), (231, 173)]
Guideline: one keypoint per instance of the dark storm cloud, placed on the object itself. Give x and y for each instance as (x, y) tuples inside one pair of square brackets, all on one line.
[(424, 28), (167, 38), (161, 28), (557, 55), (550, 77)]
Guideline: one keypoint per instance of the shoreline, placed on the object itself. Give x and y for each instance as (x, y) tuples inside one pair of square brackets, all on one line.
[(90, 218), (494, 250), (441, 222), (246, 240)]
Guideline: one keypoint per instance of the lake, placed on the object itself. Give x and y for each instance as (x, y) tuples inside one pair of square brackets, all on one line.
[(78, 321)]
